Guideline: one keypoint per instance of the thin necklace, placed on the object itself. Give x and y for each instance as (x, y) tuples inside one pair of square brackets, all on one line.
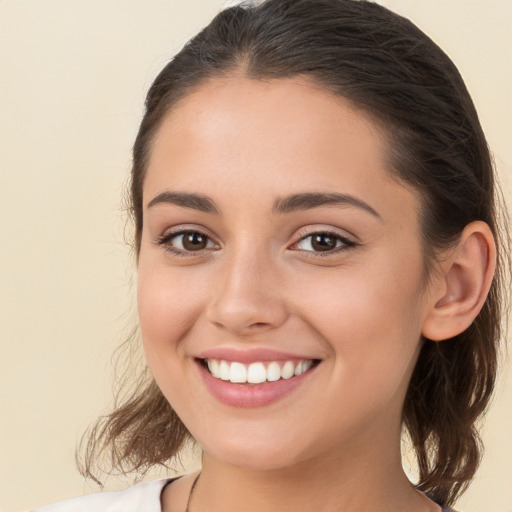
[(191, 492)]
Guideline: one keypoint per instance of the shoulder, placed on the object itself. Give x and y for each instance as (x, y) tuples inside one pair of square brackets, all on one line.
[(141, 497)]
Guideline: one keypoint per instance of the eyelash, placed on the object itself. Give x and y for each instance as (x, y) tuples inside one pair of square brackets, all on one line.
[(347, 244)]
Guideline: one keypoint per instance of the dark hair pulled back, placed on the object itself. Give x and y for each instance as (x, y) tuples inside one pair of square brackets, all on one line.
[(391, 70)]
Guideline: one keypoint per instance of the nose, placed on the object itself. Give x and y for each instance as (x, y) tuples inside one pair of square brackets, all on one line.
[(247, 296)]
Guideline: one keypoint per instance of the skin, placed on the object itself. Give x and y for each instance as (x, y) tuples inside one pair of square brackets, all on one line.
[(333, 444)]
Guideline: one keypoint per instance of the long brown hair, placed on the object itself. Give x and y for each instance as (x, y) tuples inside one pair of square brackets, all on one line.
[(386, 66)]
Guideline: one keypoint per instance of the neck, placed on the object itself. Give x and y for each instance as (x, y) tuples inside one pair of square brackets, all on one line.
[(364, 479)]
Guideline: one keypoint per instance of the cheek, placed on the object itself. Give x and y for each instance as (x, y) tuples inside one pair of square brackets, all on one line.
[(360, 299), (168, 306), (371, 323)]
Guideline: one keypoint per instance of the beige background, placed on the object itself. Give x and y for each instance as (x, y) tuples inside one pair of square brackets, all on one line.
[(73, 74)]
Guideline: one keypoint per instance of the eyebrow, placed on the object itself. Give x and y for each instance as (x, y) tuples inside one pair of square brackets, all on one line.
[(288, 204)]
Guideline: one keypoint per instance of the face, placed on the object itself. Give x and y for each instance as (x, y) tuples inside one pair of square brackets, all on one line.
[(276, 242)]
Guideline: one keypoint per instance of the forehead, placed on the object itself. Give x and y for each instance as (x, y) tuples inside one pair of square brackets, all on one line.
[(270, 114), (259, 137)]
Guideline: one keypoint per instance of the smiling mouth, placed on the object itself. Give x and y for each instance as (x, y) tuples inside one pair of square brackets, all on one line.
[(257, 372)]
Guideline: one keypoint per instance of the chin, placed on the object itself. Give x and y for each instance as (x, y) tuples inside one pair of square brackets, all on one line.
[(250, 459), (264, 455)]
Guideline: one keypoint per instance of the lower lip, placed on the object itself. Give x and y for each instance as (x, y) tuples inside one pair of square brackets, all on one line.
[(245, 395)]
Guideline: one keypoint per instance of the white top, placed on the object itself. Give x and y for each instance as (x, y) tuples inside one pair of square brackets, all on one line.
[(143, 497)]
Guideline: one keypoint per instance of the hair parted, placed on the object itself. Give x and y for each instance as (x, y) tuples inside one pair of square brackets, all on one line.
[(391, 70)]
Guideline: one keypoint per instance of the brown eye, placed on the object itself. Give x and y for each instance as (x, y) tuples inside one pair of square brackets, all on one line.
[(324, 242), (183, 243), (194, 241)]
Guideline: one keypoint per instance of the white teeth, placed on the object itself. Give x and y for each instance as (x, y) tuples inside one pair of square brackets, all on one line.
[(256, 373), (288, 370), (237, 373), (273, 371), (213, 366), (224, 370), (306, 365)]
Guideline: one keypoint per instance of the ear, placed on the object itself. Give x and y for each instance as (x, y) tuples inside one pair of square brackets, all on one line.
[(459, 291)]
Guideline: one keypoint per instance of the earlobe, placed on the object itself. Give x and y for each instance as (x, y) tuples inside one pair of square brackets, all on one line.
[(463, 283)]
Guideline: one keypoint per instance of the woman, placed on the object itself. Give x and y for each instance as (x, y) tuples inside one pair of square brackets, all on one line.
[(319, 267)]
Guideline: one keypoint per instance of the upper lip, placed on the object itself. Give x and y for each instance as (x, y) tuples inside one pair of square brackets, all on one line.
[(248, 356)]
